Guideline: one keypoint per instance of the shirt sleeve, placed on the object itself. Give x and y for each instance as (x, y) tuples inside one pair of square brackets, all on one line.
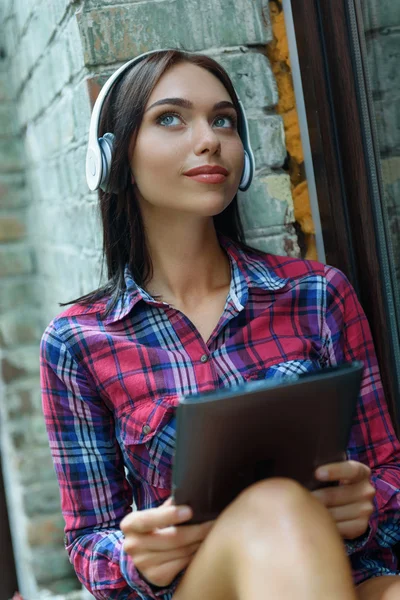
[(95, 494), (347, 337)]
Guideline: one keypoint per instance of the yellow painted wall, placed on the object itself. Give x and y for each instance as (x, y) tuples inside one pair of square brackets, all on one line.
[(278, 54)]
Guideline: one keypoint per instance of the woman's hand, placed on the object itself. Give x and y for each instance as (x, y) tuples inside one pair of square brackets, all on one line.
[(159, 549), (350, 503)]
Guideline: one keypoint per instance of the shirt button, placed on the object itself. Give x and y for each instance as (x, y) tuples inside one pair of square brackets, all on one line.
[(146, 429), (204, 358)]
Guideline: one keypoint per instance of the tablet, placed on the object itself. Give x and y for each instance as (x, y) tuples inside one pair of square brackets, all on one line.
[(228, 439)]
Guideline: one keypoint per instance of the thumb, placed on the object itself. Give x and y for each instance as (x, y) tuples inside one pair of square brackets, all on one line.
[(168, 502)]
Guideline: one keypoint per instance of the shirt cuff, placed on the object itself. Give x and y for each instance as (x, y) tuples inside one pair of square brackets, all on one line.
[(142, 587), (358, 543)]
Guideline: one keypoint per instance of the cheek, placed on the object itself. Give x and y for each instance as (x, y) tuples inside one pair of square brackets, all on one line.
[(155, 160)]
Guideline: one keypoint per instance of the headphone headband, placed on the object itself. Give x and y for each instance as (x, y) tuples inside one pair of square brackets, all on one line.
[(99, 152)]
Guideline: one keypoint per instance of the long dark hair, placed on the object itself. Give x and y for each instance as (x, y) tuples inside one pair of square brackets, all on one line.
[(124, 239)]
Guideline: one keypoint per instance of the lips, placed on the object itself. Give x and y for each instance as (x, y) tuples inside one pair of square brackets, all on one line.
[(206, 170), (208, 174)]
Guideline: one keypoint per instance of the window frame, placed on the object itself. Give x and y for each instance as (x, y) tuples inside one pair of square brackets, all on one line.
[(329, 38)]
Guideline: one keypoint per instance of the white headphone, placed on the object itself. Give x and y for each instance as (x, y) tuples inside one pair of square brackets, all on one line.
[(99, 152)]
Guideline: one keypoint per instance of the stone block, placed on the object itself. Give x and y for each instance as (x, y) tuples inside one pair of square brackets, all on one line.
[(23, 398), (58, 9), (15, 293), (383, 61), (35, 466), (68, 588), (19, 363), (51, 564), (60, 63), (6, 93), (380, 14), (20, 66), (267, 203), (223, 23), (387, 114), (42, 27), (282, 243), (64, 118), (74, 164), (27, 433), (252, 77), (8, 123), (69, 224), (43, 179), (11, 38), (15, 260), (44, 82), (22, 10), (72, 271), (267, 137), (19, 327), (391, 181), (74, 46), (118, 33), (6, 9), (42, 498), (46, 530), (12, 227), (81, 111), (11, 158), (44, 136), (13, 191)]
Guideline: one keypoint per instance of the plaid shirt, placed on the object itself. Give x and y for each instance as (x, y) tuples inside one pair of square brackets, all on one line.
[(110, 388)]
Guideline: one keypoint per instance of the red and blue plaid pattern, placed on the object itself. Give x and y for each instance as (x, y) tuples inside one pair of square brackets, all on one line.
[(110, 388)]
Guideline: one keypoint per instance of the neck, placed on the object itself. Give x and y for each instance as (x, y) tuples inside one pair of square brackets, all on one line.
[(188, 261)]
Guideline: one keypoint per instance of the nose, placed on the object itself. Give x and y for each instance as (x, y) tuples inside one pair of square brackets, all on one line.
[(206, 139)]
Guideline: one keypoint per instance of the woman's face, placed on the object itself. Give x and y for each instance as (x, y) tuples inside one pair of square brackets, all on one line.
[(189, 122)]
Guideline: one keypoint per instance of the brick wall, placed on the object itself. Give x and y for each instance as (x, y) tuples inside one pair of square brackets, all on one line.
[(38, 55), (56, 53)]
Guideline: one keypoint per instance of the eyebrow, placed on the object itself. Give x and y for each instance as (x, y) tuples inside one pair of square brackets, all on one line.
[(187, 104)]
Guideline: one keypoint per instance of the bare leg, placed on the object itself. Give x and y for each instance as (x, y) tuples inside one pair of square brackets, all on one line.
[(380, 588), (274, 541)]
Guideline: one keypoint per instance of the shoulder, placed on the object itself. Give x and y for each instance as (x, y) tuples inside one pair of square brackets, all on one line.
[(73, 323), (293, 268), (325, 282)]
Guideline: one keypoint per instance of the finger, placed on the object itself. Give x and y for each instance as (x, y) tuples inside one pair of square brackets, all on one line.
[(351, 530), (343, 495), (145, 521), (349, 470), (351, 512), (163, 575), (145, 558), (170, 538), (168, 502)]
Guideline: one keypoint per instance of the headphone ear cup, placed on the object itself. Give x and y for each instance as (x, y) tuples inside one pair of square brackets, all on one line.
[(106, 144), (246, 175)]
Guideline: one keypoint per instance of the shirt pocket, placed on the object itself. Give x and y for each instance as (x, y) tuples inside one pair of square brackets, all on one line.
[(147, 436), (284, 370)]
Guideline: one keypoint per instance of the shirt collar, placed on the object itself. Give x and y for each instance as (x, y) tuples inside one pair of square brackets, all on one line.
[(252, 267), (249, 270)]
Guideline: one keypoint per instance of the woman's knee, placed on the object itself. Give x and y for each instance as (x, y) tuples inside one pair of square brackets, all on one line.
[(275, 497), (392, 593), (278, 505), (380, 588)]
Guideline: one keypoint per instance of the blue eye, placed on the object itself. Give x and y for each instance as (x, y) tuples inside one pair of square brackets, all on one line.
[(167, 120), (229, 122)]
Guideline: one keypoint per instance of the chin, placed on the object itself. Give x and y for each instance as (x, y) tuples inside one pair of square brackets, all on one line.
[(209, 206)]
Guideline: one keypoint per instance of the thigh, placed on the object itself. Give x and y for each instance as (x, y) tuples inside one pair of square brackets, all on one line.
[(380, 588), (254, 547)]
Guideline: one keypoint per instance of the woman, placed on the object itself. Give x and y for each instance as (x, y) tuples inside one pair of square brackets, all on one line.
[(188, 308)]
